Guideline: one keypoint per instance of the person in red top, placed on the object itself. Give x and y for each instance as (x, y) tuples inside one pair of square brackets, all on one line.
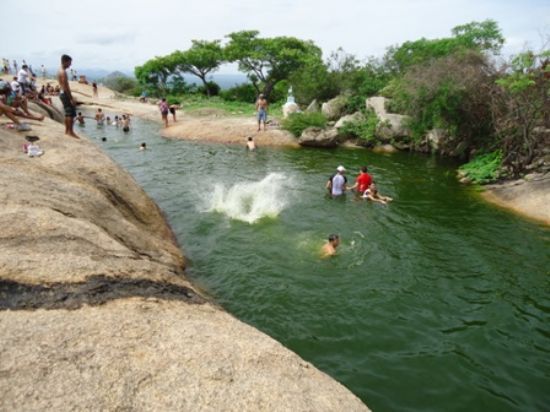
[(363, 181)]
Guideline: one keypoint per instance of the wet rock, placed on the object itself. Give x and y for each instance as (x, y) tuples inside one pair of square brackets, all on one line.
[(384, 148)]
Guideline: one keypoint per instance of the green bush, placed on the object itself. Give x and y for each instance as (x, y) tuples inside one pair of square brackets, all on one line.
[(365, 130), (242, 93), (171, 99), (296, 123), (213, 87), (120, 83), (483, 168)]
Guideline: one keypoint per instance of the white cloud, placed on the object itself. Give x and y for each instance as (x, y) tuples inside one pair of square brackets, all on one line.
[(125, 33)]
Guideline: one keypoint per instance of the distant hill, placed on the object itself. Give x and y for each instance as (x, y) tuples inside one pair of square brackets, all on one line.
[(224, 80)]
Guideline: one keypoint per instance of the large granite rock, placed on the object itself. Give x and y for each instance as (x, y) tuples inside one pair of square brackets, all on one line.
[(318, 137), (289, 108), (435, 139), (96, 312), (49, 111), (354, 118), (313, 107), (334, 108), (391, 126)]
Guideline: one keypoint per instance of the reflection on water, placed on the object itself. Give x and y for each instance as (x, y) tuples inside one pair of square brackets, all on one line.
[(437, 301)]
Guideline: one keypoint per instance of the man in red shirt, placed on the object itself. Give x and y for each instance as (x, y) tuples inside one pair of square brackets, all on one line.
[(363, 181)]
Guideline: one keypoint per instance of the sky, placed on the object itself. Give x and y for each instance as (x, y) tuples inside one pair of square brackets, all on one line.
[(120, 34)]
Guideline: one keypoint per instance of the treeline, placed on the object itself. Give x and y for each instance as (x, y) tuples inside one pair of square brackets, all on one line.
[(451, 84)]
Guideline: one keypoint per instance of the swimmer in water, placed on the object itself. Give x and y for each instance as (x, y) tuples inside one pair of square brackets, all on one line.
[(125, 123), (372, 194), (143, 146), (250, 145), (329, 248), (100, 117)]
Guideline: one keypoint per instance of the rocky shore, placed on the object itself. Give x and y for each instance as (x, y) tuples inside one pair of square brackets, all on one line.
[(96, 312), (529, 197)]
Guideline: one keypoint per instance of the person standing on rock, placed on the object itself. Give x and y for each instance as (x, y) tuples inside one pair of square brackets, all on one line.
[(164, 110), (261, 110), (173, 108), (69, 103)]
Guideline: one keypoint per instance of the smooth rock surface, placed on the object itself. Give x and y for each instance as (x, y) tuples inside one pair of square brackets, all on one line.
[(350, 118), (289, 108), (391, 126), (96, 312), (318, 137), (313, 107), (334, 108)]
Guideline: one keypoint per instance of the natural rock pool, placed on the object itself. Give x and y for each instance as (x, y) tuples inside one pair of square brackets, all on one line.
[(438, 301)]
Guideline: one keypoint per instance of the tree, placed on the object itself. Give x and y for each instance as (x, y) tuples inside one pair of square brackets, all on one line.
[(312, 81), (153, 74), (267, 61), (201, 59), (521, 109), (482, 37), (451, 93), (119, 82)]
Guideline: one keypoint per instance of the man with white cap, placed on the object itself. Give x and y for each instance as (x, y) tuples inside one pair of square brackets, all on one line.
[(337, 184)]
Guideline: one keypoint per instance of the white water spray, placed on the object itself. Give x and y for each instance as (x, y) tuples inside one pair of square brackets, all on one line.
[(252, 201)]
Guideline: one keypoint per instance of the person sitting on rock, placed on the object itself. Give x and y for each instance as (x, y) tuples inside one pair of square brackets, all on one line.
[(17, 103)]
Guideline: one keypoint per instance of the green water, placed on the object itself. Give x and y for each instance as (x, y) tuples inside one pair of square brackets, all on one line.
[(438, 301)]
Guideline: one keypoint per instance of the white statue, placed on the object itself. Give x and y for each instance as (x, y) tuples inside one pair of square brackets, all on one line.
[(290, 106)]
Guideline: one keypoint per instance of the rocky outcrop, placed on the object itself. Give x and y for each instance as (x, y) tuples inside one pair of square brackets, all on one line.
[(391, 126), (435, 138), (318, 137), (289, 108), (334, 108), (313, 107), (356, 117), (384, 148), (96, 312), (529, 196)]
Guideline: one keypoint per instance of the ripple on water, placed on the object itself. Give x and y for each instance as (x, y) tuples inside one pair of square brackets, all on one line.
[(434, 302)]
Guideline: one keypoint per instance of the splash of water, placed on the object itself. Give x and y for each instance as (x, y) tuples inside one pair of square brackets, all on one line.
[(252, 201)]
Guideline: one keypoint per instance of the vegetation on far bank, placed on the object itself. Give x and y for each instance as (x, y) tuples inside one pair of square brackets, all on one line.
[(453, 84)]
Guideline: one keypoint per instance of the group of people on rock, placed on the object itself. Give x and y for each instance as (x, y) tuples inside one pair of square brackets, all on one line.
[(15, 95)]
